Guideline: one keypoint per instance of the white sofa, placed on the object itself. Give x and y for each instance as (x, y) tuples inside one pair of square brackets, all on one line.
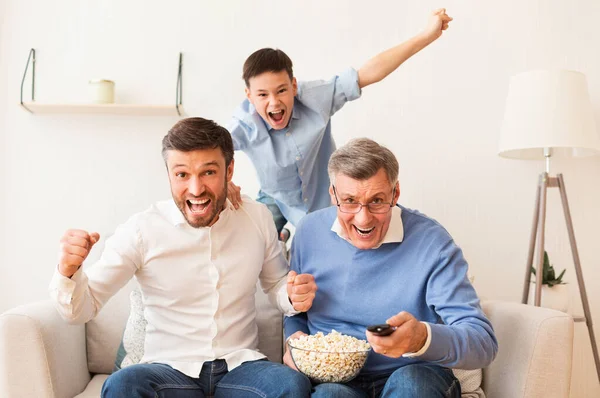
[(41, 356)]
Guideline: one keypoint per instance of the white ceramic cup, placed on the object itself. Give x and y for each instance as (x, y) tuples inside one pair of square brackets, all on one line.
[(102, 91)]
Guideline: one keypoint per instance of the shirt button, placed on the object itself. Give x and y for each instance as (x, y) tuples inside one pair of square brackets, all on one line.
[(288, 134), (297, 157), (301, 172), (305, 200)]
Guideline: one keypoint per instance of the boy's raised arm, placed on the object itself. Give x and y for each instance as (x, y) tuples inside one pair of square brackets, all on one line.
[(378, 67)]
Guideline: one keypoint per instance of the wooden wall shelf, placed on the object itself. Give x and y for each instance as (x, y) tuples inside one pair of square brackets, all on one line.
[(101, 109), (104, 109)]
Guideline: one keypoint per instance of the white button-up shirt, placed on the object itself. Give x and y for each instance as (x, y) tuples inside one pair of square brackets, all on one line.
[(197, 284)]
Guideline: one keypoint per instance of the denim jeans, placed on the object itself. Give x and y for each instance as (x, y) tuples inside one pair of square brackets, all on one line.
[(278, 217), (410, 381), (260, 378)]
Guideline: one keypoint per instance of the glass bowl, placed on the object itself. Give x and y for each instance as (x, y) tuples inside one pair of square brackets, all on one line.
[(328, 367)]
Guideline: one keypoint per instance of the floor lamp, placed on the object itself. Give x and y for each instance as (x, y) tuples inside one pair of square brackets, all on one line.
[(549, 114)]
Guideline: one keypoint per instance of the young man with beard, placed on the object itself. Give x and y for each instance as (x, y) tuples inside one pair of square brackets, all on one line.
[(197, 261), (285, 127)]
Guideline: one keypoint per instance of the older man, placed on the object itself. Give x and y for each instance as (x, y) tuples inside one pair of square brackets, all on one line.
[(378, 262), (197, 261)]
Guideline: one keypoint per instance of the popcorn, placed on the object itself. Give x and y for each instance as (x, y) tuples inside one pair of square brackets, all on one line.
[(331, 358)]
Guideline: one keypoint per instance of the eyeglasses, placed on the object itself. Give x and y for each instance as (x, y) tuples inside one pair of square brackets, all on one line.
[(355, 208)]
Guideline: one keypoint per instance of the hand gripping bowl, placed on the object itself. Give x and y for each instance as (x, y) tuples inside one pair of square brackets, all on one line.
[(331, 358)]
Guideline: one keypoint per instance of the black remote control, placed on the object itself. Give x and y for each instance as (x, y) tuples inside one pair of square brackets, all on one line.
[(381, 330)]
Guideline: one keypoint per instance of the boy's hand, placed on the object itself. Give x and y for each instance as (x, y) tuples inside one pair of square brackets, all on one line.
[(75, 245), (233, 194), (438, 22), (301, 290)]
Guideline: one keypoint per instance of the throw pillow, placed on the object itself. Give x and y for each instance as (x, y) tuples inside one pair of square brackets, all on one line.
[(131, 349), (470, 382)]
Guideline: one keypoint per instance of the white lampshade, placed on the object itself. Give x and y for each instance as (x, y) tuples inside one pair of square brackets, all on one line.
[(548, 109)]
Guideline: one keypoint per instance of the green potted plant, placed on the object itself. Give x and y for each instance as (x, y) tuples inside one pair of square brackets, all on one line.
[(554, 292), (548, 275)]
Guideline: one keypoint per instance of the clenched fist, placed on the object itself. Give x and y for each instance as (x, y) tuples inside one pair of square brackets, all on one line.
[(75, 245), (301, 289), (438, 22)]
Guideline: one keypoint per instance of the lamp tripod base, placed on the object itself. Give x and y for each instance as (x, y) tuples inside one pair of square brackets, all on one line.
[(536, 246)]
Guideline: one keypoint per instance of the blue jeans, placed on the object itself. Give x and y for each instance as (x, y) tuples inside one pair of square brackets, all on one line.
[(410, 381), (260, 378), (278, 217)]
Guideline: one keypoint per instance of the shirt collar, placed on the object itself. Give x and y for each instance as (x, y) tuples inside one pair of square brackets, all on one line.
[(175, 216), (394, 234)]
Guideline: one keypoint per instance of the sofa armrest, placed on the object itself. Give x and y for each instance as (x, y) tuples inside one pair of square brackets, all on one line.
[(40, 354), (535, 352)]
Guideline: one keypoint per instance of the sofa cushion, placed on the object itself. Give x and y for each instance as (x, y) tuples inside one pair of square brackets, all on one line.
[(470, 382), (131, 348)]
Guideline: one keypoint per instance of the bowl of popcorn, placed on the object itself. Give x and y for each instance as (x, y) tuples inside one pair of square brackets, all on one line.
[(329, 358)]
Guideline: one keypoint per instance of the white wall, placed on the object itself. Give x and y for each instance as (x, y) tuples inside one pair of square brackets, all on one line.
[(440, 113), (3, 187)]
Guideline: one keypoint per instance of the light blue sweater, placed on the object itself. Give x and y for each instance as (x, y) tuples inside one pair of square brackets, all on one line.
[(425, 275)]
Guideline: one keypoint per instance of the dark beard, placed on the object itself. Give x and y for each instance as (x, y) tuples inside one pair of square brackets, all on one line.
[(217, 202)]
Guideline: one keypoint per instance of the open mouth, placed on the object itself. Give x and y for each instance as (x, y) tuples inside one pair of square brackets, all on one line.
[(198, 206), (277, 116), (364, 233)]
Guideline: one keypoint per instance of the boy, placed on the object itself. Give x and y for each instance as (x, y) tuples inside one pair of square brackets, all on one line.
[(284, 127)]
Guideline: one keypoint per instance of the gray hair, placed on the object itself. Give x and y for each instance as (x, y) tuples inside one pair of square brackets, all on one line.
[(361, 159)]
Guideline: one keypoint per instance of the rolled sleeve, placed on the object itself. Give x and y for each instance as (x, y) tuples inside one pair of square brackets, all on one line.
[(346, 89), (237, 131), (447, 342)]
